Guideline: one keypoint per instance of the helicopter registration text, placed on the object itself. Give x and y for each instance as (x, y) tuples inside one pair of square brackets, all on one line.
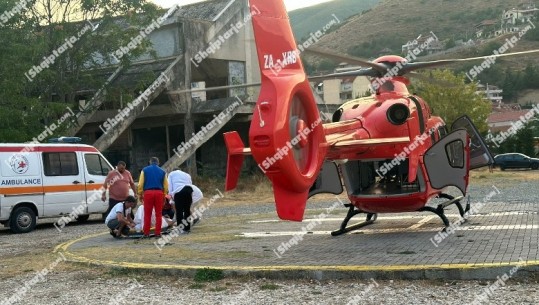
[(288, 58)]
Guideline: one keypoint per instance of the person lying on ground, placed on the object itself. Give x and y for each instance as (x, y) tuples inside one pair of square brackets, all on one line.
[(139, 220), (168, 209)]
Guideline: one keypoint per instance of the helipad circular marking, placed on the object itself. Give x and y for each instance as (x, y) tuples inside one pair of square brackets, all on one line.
[(64, 248)]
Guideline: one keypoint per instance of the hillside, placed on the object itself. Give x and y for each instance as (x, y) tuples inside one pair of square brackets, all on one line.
[(393, 23), (310, 19)]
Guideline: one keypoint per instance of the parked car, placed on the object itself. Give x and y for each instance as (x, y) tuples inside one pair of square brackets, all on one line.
[(515, 160)]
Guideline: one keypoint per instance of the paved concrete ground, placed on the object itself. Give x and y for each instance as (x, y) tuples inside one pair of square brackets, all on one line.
[(500, 239)]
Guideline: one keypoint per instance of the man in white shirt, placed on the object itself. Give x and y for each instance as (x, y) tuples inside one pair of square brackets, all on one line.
[(119, 219), (183, 191)]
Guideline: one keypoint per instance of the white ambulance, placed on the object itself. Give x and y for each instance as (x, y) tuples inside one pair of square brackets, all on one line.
[(50, 180)]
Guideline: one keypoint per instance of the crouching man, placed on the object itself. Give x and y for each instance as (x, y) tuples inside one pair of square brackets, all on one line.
[(119, 219)]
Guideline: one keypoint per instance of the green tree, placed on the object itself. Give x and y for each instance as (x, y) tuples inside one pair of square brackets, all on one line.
[(521, 142), (450, 97), (30, 101), (531, 74), (17, 110), (512, 84), (450, 43), (327, 65), (525, 141), (532, 35)]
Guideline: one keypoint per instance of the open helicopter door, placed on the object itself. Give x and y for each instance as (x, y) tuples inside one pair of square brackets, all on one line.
[(447, 162), (328, 181), (480, 155)]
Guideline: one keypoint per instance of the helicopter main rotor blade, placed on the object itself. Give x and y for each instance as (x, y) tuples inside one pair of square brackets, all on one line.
[(360, 72), (382, 69), (409, 67), (375, 70), (431, 80), (214, 88)]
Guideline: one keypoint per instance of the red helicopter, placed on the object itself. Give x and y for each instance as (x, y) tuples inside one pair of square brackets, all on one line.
[(388, 149)]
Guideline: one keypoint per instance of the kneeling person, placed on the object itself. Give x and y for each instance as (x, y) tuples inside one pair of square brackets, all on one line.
[(119, 219)]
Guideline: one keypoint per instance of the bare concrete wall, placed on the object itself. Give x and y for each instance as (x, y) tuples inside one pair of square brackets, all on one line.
[(166, 42), (234, 44)]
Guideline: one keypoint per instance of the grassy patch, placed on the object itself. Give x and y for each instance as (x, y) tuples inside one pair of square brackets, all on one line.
[(218, 289), (196, 286), (33, 262), (508, 177), (269, 286), (208, 275), (141, 252), (116, 272)]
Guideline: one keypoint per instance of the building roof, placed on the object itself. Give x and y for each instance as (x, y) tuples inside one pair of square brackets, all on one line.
[(482, 87), (499, 129), (207, 10), (423, 38), (486, 23), (498, 106), (510, 116), (348, 79)]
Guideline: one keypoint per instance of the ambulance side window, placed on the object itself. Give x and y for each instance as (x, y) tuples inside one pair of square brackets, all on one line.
[(60, 164), (96, 165)]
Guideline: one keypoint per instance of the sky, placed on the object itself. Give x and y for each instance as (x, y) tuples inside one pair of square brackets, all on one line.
[(290, 4)]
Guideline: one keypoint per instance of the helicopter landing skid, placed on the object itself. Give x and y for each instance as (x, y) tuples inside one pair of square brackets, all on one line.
[(440, 209), (352, 211)]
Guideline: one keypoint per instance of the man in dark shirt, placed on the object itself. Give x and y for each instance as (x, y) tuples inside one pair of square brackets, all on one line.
[(152, 186)]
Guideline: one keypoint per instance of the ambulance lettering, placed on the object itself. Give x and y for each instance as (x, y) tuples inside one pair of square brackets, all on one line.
[(36, 181)]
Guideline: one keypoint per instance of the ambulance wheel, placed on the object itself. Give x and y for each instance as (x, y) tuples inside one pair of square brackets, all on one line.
[(22, 220), (82, 218)]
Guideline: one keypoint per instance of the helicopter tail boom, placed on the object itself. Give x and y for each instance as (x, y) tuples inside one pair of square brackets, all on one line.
[(286, 134)]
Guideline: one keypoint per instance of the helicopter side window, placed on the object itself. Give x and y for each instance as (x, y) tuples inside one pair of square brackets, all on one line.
[(455, 154), (433, 135), (337, 115), (442, 131)]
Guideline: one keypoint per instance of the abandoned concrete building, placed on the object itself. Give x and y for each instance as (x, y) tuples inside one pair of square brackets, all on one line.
[(203, 45)]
